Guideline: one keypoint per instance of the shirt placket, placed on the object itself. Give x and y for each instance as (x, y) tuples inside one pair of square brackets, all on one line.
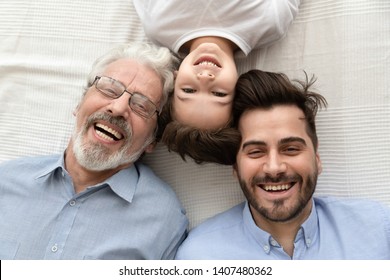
[(62, 229)]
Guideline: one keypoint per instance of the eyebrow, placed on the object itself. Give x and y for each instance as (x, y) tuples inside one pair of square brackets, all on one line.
[(292, 139), (280, 142), (253, 142)]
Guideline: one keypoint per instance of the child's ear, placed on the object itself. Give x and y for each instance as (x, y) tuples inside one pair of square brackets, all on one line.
[(175, 73)]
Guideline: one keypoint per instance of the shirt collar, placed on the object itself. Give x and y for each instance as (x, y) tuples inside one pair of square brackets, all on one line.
[(123, 183), (308, 230), (50, 167), (261, 237)]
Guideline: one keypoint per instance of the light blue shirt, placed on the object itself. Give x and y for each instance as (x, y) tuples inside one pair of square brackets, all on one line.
[(132, 215), (336, 229)]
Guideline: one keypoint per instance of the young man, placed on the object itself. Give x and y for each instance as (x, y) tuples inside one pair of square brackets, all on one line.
[(95, 201), (277, 167)]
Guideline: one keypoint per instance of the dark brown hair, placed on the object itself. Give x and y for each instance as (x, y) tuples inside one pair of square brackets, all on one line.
[(203, 146), (260, 89)]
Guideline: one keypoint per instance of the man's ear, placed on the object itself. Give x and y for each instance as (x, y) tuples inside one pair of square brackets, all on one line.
[(150, 147), (235, 171), (75, 111), (319, 163), (318, 160)]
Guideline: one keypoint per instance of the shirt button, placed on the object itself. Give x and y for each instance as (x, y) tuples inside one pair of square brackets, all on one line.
[(308, 241), (72, 203), (266, 248), (54, 248), (274, 243)]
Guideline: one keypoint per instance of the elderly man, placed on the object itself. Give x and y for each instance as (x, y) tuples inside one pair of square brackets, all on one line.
[(95, 201)]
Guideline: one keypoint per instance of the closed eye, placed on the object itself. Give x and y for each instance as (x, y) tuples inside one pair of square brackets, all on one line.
[(291, 150), (139, 106), (255, 153), (110, 92)]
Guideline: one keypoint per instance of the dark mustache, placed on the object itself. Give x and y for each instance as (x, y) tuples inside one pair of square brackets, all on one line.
[(278, 179)]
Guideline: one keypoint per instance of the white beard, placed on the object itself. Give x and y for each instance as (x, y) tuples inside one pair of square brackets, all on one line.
[(96, 157)]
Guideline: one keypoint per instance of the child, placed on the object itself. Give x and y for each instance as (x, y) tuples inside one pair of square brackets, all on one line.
[(208, 35)]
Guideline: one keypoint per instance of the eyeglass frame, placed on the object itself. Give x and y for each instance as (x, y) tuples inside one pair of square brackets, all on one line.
[(96, 81)]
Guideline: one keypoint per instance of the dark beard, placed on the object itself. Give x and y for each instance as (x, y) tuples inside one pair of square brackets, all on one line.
[(279, 213)]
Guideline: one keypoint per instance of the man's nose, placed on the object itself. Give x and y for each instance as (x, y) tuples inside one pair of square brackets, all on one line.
[(274, 165), (120, 106)]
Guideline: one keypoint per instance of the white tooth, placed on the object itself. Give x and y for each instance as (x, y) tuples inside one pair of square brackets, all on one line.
[(276, 187), (207, 63), (110, 130), (104, 136)]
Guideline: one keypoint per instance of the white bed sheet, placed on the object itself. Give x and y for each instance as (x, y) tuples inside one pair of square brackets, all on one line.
[(48, 46)]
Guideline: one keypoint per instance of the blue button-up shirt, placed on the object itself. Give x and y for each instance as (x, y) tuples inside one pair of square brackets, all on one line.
[(132, 215), (336, 229)]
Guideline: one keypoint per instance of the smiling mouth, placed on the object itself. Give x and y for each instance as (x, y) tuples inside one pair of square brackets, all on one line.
[(208, 61), (277, 188), (107, 133)]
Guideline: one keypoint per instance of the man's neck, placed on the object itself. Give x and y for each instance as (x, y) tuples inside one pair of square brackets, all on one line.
[(283, 232), (82, 177)]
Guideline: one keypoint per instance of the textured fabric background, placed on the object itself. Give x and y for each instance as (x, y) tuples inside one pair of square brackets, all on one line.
[(47, 48)]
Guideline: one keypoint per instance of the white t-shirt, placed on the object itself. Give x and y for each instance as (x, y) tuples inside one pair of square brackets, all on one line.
[(249, 24)]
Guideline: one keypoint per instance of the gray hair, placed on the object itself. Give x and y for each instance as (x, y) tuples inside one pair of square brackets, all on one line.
[(160, 59)]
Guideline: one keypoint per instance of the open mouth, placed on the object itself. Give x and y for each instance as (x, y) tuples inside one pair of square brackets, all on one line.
[(107, 133), (208, 61), (277, 188)]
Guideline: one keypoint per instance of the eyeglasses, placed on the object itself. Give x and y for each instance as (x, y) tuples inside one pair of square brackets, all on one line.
[(139, 103)]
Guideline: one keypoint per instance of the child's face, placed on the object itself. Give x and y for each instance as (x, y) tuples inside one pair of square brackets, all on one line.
[(204, 88)]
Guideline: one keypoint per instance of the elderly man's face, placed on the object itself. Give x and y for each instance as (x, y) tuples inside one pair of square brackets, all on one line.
[(108, 133)]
